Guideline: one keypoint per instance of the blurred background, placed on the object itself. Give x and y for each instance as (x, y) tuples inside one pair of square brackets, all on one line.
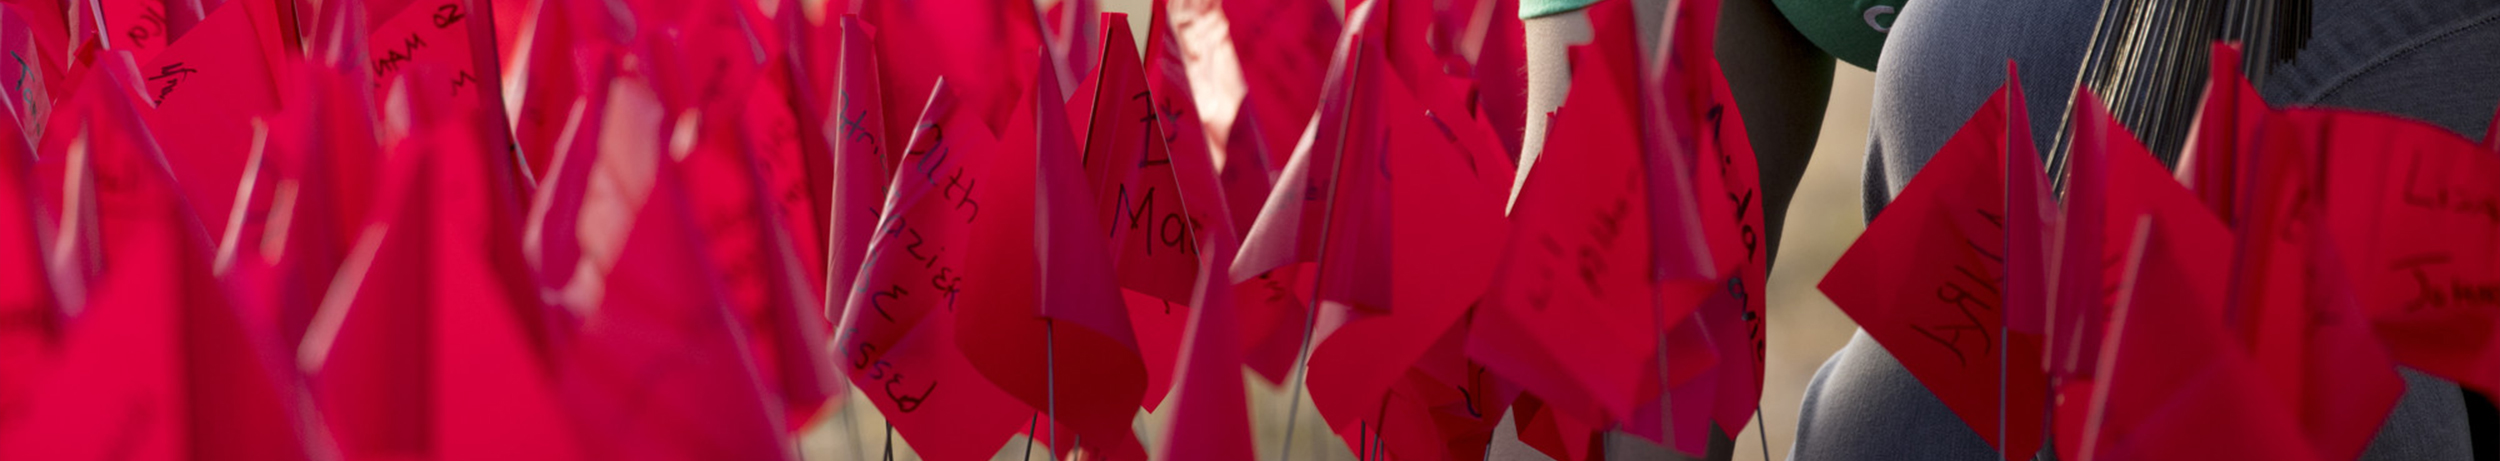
[(1805, 327)]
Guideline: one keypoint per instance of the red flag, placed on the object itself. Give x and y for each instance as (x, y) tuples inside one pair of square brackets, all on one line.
[(863, 163), (1038, 261), (1210, 411), (1438, 214), (157, 367), (2171, 381), (901, 343), (457, 36), (2077, 277), (1321, 208), (762, 276), (1925, 280), (206, 91), (2031, 220), (283, 245), (2225, 133), (436, 344), (1572, 313), (659, 369), (983, 48), (2415, 222), (1735, 314), (29, 34), (2300, 323), (1280, 44), (32, 334)]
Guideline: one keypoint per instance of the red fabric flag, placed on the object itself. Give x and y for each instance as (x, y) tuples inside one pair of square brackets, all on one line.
[(791, 116), (2130, 183), (1210, 411), (762, 276), (1735, 313), (1281, 44), (1322, 207), (2416, 222), (32, 70), (1153, 234), (900, 343), (1925, 281), (1580, 241), (1502, 75), (2171, 380), (2030, 220), (1039, 262), (206, 91), (983, 48), (32, 331), (283, 244), (158, 367), (656, 323), (2077, 273), (436, 345), (1437, 213), (454, 35), (2225, 132), (863, 162), (2301, 325)]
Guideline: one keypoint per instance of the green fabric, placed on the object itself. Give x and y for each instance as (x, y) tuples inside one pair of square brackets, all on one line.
[(1852, 30), (1532, 9)]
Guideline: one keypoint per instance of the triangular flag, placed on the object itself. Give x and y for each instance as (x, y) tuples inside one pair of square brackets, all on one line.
[(898, 342), (1572, 318), (863, 162), (2171, 382), (2295, 315), (28, 343), (283, 246), (158, 366), (1282, 46), (2414, 219), (435, 344), (1437, 212), (659, 369), (457, 36), (2225, 133), (1210, 410), (206, 90), (1046, 287), (766, 284), (1926, 278)]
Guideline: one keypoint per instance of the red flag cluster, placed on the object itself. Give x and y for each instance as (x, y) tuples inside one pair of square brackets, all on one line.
[(645, 229), (2256, 306)]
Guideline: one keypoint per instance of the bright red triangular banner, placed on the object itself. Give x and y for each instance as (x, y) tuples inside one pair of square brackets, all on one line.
[(1046, 286), (1925, 280), (437, 344), (898, 343), (158, 366), (206, 90)]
